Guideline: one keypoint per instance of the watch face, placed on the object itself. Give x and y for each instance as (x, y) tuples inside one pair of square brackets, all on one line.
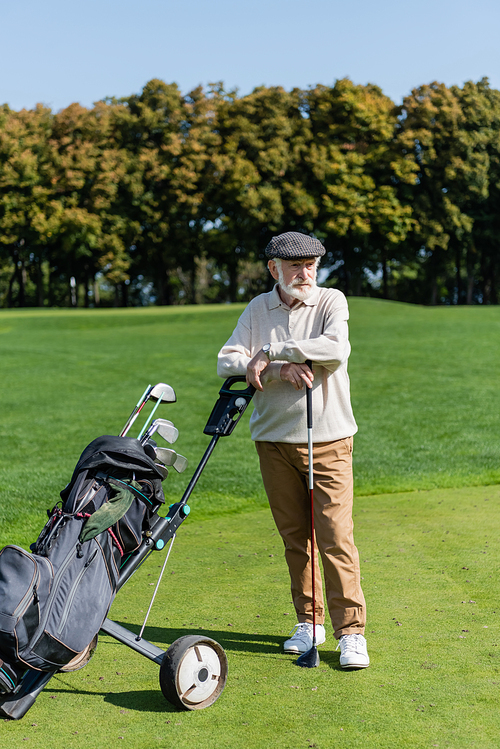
[(266, 347)]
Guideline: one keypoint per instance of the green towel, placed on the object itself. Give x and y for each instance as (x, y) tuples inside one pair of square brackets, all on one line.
[(107, 515)]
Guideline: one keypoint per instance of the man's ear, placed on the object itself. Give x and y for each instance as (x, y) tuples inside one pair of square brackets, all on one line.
[(273, 270)]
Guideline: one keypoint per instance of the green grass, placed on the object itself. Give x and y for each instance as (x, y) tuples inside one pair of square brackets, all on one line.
[(429, 566), (425, 395), (424, 391)]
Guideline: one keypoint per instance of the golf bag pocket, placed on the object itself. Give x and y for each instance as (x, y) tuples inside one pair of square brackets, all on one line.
[(75, 609), (128, 529), (25, 581)]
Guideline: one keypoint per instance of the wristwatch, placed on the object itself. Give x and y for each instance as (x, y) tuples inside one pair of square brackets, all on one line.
[(266, 348)]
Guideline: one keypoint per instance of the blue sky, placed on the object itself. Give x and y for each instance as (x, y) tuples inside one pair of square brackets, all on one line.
[(58, 52)]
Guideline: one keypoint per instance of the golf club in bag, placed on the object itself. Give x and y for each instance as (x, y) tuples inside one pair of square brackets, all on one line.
[(310, 659), (55, 599), (161, 392)]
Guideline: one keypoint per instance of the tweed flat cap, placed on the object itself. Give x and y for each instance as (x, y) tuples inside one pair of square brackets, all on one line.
[(293, 245)]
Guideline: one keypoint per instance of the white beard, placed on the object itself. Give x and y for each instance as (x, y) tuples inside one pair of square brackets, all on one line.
[(297, 290)]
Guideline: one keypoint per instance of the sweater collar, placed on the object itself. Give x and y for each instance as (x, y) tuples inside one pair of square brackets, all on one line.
[(275, 299)]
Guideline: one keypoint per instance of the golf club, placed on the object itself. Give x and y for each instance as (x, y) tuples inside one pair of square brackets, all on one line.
[(161, 391), (310, 659), (150, 417), (163, 470), (180, 464), (169, 457), (165, 455), (164, 428), (133, 416)]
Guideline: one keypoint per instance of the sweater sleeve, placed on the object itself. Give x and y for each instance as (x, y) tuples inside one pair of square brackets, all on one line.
[(234, 356)]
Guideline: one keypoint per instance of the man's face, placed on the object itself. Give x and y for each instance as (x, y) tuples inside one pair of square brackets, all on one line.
[(295, 277)]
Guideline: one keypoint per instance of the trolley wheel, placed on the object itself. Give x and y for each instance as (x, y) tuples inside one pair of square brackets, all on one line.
[(193, 672), (81, 659)]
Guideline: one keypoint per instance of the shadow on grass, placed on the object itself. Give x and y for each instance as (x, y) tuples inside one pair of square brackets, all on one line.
[(236, 642), (144, 701), (332, 660)]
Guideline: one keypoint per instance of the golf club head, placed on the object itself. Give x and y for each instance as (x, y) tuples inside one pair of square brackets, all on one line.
[(166, 455), (164, 428), (167, 430), (163, 470), (164, 392), (180, 464), (149, 449), (309, 659)]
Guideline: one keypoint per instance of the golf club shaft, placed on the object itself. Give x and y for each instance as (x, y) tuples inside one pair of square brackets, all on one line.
[(310, 454), (135, 413), (148, 420)]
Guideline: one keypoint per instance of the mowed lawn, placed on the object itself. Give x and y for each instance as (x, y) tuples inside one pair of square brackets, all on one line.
[(426, 398)]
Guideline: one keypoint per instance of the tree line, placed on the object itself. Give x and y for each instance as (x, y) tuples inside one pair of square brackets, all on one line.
[(170, 198)]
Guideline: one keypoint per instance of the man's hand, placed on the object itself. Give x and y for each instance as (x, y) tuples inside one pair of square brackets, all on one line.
[(297, 374), (255, 368)]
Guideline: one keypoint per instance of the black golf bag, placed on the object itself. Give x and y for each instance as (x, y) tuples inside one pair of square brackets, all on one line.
[(54, 600)]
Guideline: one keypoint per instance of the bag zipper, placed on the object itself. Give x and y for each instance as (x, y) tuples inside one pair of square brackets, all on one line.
[(43, 620), (69, 601), (31, 592)]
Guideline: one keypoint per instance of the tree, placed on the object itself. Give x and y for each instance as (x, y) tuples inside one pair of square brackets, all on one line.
[(253, 190), (352, 171), (481, 138), (437, 126), (26, 173), (94, 228), (168, 136)]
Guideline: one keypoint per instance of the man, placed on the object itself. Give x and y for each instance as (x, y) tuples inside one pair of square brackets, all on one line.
[(275, 336)]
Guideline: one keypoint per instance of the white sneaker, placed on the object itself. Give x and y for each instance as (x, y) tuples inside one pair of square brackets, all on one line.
[(302, 639), (353, 652)]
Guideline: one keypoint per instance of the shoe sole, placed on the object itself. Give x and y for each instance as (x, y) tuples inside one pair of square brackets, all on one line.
[(299, 652), (355, 665)]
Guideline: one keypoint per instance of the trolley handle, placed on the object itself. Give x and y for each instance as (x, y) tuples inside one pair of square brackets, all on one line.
[(230, 407)]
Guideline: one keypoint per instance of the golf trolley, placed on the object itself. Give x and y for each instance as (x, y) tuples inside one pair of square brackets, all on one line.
[(193, 670)]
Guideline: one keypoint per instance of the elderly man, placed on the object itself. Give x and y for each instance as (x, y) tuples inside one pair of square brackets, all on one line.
[(275, 336)]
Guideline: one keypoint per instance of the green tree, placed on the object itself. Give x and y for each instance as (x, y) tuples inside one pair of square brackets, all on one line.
[(168, 137), (94, 229), (352, 171), (439, 126), (253, 188), (26, 174), (481, 141)]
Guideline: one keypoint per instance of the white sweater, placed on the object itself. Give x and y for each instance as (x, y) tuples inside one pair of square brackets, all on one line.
[(315, 329)]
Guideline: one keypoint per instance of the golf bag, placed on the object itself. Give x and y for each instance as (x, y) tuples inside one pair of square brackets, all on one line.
[(54, 600)]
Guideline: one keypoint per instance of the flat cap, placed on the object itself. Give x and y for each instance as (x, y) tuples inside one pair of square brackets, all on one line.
[(293, 245)]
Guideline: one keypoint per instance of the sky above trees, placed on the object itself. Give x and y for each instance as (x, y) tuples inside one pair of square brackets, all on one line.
[(57, 52)]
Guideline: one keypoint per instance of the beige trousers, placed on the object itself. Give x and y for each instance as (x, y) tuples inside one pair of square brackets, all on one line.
[(284, 469)]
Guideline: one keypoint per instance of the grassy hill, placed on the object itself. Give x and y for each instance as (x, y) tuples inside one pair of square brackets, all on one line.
[(424, 390), (425, 395)]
